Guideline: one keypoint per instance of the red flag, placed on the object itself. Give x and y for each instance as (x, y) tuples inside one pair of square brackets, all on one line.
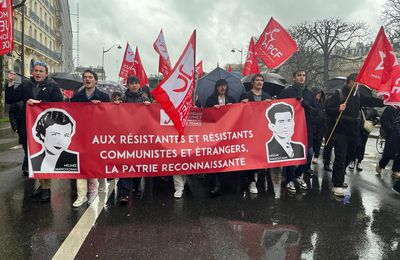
[(275, 45), (138, 70), (68, 93), (378, 65), (127, 62), (251, 64), (175, 92), (391, 89), (199, 69), (6, 27), (229, 68), (164, 65)]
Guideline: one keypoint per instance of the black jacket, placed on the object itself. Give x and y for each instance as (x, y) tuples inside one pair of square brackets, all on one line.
[(132, 97), (390, 121), (47, 91), (15, 113), (350, 122), (97, 95), (275, 151), (308, 103), (213, 100), (66, 162), (250, 95)]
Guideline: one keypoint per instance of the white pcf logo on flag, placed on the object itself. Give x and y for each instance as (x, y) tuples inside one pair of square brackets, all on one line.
[(164, 118)]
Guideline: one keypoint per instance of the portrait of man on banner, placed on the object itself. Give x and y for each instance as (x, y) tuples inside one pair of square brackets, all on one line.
[(54, 129), (281, 122)]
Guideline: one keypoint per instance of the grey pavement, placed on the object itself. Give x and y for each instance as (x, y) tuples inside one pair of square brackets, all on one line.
[(271, 225)]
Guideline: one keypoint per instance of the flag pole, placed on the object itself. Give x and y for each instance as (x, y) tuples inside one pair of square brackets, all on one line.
[(340, 115)]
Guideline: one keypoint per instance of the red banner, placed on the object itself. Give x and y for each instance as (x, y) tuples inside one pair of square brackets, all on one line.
[(127, 62), (275, 45), (175, 92), (164, 64), (251, 64), (67, 140), (6, 27)]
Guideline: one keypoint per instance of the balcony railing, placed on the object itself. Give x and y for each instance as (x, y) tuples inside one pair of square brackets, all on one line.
[(34, 16), (36, 45)]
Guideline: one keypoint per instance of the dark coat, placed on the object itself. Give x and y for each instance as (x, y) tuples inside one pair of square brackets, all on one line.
[(250, 95), (308, 103), (97, 95), (47, 91), (275, 151), (390, 121), (67, 162), (134, 97), (213, 100), (350, 122)]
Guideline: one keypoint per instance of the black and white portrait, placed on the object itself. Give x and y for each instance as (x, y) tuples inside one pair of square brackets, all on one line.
[(280, 147), (54, 129)]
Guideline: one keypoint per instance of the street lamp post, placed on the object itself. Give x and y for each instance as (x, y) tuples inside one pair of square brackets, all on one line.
[(241, 56), (102, 59)]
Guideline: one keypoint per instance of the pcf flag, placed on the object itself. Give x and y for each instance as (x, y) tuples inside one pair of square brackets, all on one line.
[(175, 92), (251, 64), (275, 45), (138, 70), (127, 62), (164, 65), (378, 65), (6, 27)]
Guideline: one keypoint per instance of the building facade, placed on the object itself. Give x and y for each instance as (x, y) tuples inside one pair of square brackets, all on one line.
[(47, 36)]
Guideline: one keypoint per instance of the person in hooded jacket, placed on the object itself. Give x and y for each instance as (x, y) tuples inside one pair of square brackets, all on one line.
[(134, 94)]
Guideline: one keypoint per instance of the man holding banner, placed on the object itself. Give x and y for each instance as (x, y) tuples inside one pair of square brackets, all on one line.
[(89, 94), (33, 91)]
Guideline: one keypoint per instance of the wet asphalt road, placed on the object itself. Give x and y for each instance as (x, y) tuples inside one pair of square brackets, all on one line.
[(272, 225)]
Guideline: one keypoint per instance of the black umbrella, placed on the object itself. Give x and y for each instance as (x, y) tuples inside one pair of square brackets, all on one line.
[(66, 80), (338, 82), (273, 83), (206, 85), (110, 87)]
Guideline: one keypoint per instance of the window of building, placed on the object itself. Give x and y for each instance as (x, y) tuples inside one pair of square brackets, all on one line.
[(45, 17), (41, 13), (35, 35), (31, 65), (40, 38), (35, 9), (51, 45), (30, 31), (45, 41)]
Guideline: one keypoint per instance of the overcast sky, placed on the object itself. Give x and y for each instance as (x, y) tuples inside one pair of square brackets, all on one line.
[(220, 25)]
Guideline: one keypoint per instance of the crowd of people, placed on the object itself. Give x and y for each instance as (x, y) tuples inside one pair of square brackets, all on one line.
[(343, 119)]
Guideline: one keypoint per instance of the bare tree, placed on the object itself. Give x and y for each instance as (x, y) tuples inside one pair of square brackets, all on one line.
[(391, 19), (319, 40)]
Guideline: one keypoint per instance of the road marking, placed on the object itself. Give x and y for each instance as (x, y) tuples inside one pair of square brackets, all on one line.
[(71, 245)]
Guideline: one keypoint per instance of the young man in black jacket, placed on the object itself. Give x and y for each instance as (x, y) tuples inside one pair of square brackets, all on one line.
[(347, 130), (256, 93), (300, 91), (88, 94), (33, 91), (134, 94)]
